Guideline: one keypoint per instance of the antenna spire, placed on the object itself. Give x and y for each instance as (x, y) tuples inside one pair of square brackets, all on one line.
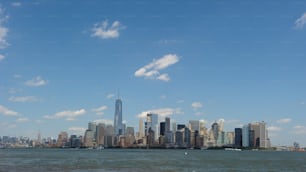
[(118, 93)]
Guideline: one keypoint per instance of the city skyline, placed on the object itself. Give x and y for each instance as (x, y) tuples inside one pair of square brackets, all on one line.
[(61, 64)]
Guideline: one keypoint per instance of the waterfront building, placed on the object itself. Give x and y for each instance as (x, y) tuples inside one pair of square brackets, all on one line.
[(162, 128), (260, 134), (141, 129), (62, 139), (230, 138), (187, 137), (215, 132), (169, 137), (194, 125), (173, 130), (130, 131), (101, 132), (251, 137), (93, 127), (180, 126), (75, 141), (245, 136), (118, 127), (179, 136), (167, 124), (152, 123), (89, 138), (238, 137)]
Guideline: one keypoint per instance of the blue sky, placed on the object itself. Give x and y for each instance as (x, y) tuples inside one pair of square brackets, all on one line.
[(62, 64)]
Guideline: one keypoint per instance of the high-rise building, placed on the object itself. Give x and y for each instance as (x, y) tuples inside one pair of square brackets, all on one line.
[(162, 128), (118, 128), (141, 129), (260, 134), (130, 131), (194, 125), (238, 137), (245, 136), (62, 139), (152, 122), (167, 127), (101, 133), (180, 126), (215, 131)]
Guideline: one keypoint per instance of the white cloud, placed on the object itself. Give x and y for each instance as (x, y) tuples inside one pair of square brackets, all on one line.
[(77, 130), (163, 77), (20, 120), (274, 129), (104, 121), (3, 30), (196, 105), (300, 22), (24, 99), (105, 30), (152, 70), (7, 112), (2, 57), (16, 4), (14, 90), (299, 129), (162, 113), (6, 125), (109, 96), (284, 121), (68, 115), (99, 110), (36, 82)]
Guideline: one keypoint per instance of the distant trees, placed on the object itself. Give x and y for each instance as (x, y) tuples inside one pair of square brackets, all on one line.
[(296, 146)]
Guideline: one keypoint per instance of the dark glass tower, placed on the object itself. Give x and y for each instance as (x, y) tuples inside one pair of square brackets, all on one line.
[(118, 118)]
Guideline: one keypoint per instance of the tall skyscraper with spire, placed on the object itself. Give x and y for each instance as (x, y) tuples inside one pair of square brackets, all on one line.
[(118, 127)]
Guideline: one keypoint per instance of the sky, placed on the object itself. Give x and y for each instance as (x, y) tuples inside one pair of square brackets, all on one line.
[(63, 64)]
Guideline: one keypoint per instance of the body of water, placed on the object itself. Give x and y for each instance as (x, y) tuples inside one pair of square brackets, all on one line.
[(138, 160)]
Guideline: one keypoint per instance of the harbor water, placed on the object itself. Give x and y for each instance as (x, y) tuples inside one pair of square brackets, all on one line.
[(138, 160)]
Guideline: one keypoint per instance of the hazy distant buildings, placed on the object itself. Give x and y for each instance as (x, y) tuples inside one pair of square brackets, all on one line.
[(118, 127), (62, 139)]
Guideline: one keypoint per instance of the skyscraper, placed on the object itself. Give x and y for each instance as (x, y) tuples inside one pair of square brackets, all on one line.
[(162, 128), (194, 125), (141, 129), (152, 123), (238, 137), (245, 136), (118, 129), (167, 126), (260, 134)]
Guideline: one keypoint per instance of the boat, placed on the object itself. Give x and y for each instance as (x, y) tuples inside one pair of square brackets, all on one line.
[(232, 149)]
